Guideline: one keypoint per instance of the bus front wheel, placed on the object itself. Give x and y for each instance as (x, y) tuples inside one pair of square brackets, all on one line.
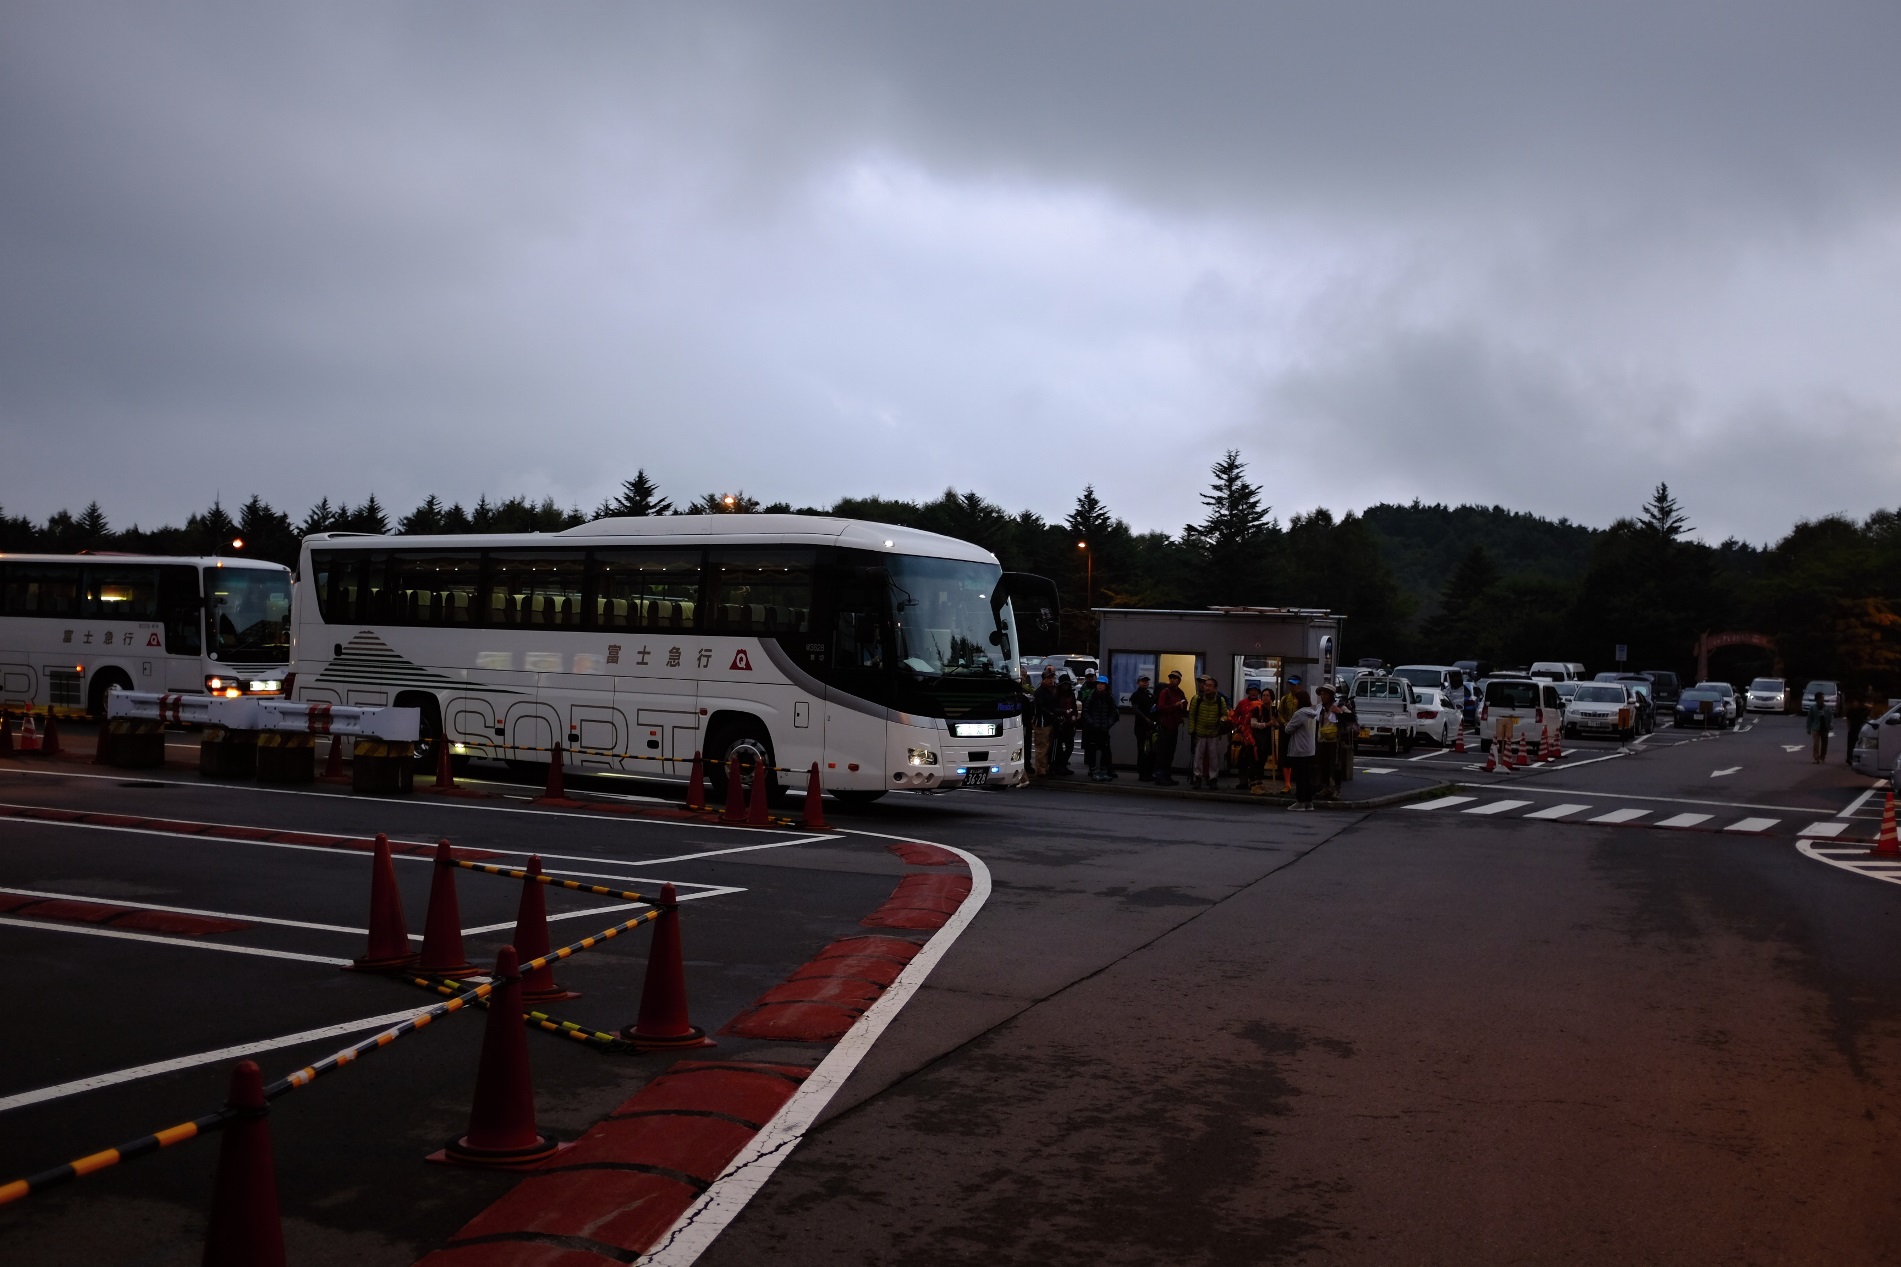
[(102, 682), (747, 741)]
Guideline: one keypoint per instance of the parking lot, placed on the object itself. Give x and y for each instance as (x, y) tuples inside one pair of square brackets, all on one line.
[(1637, 1004)]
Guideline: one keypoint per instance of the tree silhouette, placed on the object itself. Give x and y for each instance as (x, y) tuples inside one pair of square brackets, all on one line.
[(92, 529), (717, 504), (639, 497), (1663, 516), (424, 521), (319, 518), (1233, 544)]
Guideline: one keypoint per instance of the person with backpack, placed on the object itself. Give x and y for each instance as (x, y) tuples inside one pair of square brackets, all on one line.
[(1099, 716), (1171, 709), (1043, 717), (1142, 708), (1300, 747), (1207, 731)]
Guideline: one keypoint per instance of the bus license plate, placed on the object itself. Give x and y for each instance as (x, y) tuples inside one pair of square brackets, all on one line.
[(976, 778)]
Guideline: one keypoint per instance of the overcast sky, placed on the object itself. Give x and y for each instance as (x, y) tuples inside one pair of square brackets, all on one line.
[(1539, 255)]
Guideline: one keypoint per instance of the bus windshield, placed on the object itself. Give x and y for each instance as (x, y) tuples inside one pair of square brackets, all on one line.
[(946, 624), (249, 610)]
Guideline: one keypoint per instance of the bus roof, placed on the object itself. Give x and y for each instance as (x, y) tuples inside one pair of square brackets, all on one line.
[(702, 530), (103, 556)]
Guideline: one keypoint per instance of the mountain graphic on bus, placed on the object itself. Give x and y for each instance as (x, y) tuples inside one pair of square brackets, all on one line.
[(366, 660)]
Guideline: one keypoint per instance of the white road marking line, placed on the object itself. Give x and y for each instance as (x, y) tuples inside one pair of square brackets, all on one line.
[(594, 910), (1752, 824), (1619, 816), (1856, 804), (1824, 828), (187, 910), (1375, 769), (336, 852), (1557, 811), (1718, 774), (100, 1081), (1858, 864), (714, 853), (1495, 807), (707, 1217), (1531, 790), (1846, 851), (86, 930), (1424, 756), (1684, 820), (1793, 747), (1444, 802)]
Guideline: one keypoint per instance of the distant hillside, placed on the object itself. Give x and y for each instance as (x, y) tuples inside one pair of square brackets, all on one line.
[(1422, 544)]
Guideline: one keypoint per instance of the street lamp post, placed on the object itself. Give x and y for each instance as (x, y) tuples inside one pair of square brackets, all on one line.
[(1089, 574)]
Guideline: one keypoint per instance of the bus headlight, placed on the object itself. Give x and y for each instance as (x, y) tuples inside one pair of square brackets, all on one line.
[(922, 756), (1016, 754)]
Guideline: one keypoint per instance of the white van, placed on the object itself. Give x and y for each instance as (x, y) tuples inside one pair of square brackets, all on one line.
[(1558, 670), (1444, 678)]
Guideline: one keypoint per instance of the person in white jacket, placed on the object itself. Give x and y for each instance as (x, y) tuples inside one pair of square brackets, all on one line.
[(1299, 748)]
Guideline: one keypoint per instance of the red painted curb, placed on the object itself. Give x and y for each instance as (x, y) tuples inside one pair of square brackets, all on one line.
[(921, 855), (67, 910)]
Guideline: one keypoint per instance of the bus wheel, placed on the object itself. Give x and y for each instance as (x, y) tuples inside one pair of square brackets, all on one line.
[(104, 681), (747, 740), (428, 731)]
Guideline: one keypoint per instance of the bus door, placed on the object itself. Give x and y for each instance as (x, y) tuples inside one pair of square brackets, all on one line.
[(858, 675)]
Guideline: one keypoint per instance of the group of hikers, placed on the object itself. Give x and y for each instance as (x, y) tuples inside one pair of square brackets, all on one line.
[(1299, 738)]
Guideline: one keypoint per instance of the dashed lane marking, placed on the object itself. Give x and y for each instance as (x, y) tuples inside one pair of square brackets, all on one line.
[(1557, 811), (1684, 820), (1620, 816), (1826, 828), (1376, 769), (1856, 804), (1752, 824), (86, 930), (1496, 807), (1444, 802)]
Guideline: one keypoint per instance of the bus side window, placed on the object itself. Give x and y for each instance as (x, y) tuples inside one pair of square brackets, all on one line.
[(180, 607)]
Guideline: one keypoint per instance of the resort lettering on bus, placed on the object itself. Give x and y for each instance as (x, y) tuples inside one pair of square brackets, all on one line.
[(887, 655), (74, 626)]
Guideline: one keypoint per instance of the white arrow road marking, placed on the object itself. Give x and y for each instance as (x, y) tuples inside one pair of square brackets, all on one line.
[(1717, 774), (1793, 747)]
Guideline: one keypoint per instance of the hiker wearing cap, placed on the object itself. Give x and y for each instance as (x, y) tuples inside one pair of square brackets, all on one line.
[(1299, 747), (1099, 716), (1043, 712), (1142, 708), (1171, 709), (1207, 730), (1250, 738), (1326, 745), (1288, 704)]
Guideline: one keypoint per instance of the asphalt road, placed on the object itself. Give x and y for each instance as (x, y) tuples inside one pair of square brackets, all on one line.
[(1179, 1031)]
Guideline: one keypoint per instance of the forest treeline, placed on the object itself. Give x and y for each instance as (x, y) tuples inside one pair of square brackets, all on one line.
[(1418, 582)]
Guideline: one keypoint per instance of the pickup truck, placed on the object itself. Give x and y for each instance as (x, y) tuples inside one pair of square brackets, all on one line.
[(1387, 711), (1519, 706)]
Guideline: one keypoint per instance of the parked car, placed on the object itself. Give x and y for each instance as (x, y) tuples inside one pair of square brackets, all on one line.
[(1437, 720), (1767, 695), (1557, 670), (1831, 693), (1702, 707), (1445, 679), (1732, 702), (1876, 751), (1603, 708), (1387, 709), (1667, 687), (1568, 691), (1519, 706)]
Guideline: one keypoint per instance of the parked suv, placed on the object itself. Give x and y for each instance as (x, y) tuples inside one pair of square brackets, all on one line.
[(1444, 678), (1665, 686)]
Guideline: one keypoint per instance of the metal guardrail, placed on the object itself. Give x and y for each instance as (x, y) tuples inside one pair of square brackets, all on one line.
[(392, 725)]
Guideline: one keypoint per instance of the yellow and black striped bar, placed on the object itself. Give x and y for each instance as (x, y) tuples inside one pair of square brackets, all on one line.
[(144, 1144), (517, 874), (534, 1020)]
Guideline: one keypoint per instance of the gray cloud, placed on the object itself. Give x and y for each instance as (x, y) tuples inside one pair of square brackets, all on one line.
[(819, 249)]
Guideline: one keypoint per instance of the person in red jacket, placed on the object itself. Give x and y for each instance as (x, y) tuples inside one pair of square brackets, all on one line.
[(1171, 709)]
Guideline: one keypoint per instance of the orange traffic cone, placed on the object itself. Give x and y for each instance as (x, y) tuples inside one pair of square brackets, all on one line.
[(29, 735), (735, 811), (813, 819), (333, 764), (1886, 844), (557, 789), (1458, 743), (663, 1024), (531, 939), (245, 1228), (445, 775), (1491, 757), (442, 928), (502, 1131), (1544, 743), (696, 783), (756, 809), (389, 931), (1557, 745), (1521, 760)]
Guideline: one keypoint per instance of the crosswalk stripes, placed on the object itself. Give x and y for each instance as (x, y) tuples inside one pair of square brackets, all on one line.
[(1826, 829)]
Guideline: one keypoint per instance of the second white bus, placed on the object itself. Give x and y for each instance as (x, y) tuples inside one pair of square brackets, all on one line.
[(887, 655)]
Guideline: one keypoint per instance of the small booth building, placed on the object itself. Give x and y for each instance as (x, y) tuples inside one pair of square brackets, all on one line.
[(1236, 645)]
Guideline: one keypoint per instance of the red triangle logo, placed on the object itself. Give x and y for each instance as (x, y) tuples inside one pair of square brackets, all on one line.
[(741, 660)]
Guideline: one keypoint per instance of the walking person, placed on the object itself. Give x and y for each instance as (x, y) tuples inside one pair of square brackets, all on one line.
[(1821, 722), (1063, 738), (1171, 709), (1207, 726), (1300, 745), (1099, 716), (1043, 712), (1326, 746), (1142, 709), (1250, 738)]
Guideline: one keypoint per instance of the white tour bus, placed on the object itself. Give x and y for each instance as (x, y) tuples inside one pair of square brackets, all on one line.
[(73, 626), (887, 655)]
